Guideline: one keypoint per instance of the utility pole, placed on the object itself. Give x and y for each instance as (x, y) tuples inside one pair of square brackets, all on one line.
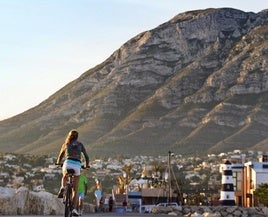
[(169, 176)]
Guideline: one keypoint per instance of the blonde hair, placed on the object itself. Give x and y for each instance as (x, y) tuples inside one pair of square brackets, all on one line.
[(71, 137)]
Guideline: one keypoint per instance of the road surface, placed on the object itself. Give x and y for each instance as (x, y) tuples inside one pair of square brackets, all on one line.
[(112, 214)]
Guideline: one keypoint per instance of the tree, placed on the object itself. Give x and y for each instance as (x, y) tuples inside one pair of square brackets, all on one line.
[(124, 180), (261, 194), (158, 168), (127, 169)]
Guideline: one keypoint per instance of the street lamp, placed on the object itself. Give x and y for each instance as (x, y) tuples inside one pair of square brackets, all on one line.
[(170, 154), (126, 184)]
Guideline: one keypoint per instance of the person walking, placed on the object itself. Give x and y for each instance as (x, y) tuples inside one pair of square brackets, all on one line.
[(111, 203), (82, 192), (125, 206), (71, 152)]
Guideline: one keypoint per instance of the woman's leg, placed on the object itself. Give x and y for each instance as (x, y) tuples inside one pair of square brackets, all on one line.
[(80, 201), (63, 184), (64, 175), (63, 180)]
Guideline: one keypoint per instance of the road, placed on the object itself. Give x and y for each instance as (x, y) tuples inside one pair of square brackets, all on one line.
[(113, 214)]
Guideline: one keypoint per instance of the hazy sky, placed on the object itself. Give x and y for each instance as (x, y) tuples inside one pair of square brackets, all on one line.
[(45, 44)]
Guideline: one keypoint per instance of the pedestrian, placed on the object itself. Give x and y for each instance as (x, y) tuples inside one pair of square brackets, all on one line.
[(82, 192), (125, 205), (111, 203), (101, 205), (106, 204), (71, 152)]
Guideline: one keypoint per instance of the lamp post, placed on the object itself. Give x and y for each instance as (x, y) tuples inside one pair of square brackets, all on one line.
[(169, 176), (126, 184)]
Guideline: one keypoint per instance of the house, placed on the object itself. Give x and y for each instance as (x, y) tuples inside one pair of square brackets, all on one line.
[(247, 176), (254, 174)]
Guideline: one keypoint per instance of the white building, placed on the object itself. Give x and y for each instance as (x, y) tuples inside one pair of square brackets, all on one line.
[(255, 173)]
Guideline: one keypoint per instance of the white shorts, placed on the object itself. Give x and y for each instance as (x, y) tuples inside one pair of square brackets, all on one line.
[(72, 164)]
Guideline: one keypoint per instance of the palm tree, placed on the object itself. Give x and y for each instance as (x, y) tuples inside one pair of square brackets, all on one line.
[(261, 194), (127, 173), (158, 169), (125, 178)]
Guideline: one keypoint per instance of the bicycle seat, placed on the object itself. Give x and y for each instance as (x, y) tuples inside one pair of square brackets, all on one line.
[(70, 171)]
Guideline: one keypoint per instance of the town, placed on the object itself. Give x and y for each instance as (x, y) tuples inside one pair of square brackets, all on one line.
[(197, 179)]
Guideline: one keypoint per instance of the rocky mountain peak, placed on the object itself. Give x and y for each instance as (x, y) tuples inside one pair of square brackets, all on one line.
[(196, 82)]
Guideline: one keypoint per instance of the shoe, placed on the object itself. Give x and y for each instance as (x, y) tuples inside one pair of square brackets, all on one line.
[(60, 194), (75, 213)]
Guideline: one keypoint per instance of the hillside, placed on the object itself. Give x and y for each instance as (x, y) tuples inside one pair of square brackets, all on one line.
[(195, 84)]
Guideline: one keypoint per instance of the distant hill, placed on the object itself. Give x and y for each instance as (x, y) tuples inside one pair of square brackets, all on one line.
[(194, 85)]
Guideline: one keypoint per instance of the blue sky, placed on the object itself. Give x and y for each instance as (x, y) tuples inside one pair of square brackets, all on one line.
[(45, 44)]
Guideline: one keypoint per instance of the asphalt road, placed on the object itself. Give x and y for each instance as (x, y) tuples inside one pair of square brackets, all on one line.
[(109, 214)]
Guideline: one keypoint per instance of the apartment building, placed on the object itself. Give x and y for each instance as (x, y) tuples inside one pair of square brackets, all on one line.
[(254, 173)]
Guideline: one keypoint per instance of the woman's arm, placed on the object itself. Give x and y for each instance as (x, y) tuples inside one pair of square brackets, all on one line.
[(61, 154)]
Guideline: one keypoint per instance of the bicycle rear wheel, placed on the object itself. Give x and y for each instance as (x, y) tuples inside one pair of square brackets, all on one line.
[(68, 202)]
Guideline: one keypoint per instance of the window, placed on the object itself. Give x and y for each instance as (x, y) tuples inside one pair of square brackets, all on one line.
[(237, 180)]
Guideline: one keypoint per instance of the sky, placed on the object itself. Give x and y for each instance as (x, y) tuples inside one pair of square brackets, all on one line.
[(45, 44)]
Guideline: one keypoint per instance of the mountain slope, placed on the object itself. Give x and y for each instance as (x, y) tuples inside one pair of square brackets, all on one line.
[(197, 83)]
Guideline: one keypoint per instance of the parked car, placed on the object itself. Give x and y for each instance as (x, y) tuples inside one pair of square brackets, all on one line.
[(173, 204), (146, 208)]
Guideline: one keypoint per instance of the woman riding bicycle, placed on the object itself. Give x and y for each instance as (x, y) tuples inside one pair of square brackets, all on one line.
[(71, 151)]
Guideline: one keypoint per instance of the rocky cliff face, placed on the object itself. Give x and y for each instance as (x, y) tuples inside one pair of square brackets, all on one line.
[(195, 83)]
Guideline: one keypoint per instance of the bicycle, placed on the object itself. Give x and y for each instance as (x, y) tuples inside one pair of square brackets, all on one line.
[(68, 194)]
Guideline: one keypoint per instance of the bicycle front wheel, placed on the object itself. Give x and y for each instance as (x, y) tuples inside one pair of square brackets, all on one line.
[(68, 202)]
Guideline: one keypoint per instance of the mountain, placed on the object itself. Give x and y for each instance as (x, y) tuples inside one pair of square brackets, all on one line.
[(196, 84)]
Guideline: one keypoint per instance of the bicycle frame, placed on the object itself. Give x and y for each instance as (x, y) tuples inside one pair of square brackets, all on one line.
[(68, 196)]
